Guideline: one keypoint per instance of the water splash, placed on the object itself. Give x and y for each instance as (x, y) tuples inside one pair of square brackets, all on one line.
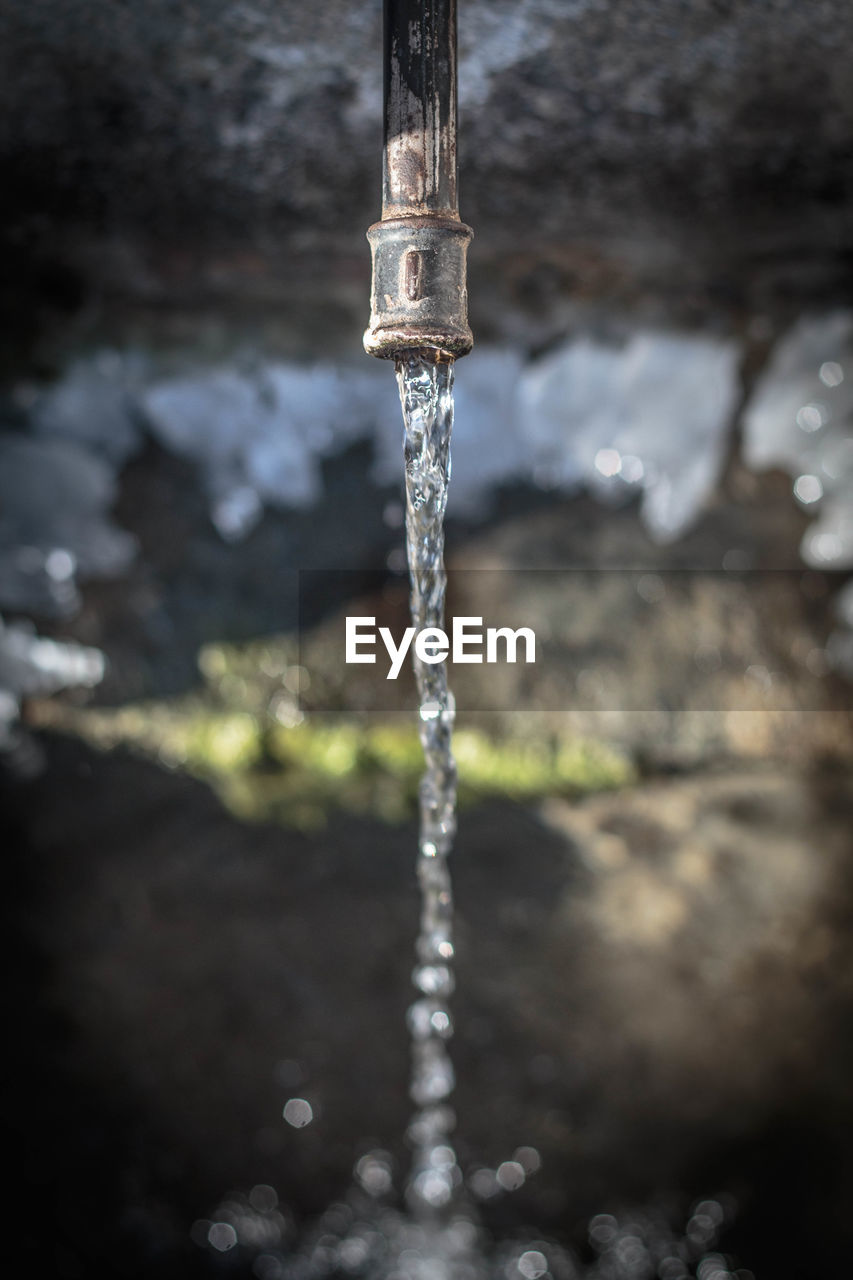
[(426, 394), (368, 1240)]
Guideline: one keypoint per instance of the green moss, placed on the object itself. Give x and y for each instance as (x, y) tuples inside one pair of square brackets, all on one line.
[(298, 776), (244, 735)]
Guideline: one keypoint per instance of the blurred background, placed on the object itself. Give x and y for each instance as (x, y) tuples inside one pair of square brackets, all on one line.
[(208, 824)]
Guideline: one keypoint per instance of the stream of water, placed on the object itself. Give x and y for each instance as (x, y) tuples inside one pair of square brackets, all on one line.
[(426, 394), (438, 1235)]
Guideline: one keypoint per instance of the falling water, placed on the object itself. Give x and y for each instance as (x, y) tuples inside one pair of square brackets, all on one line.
[(426, 394), (438, 1236)]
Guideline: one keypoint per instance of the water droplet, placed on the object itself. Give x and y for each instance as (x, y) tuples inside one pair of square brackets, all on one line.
[(632, 469), (298, 1113), (434, 1186), (60, 565), (808, 489), (825, 547), (811, 417), (441, 1024), (529, 1159), (608, 462), (532, 1264), (263, 1197), (831, 373), (433, 979), (442, 1157), (603, 1229), (419, 1018), (433, 1078), (510, 1175), (373, 1172), (430, 1125), (222, 1236)]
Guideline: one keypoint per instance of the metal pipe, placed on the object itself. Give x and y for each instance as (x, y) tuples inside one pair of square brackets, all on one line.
[(419, 299)]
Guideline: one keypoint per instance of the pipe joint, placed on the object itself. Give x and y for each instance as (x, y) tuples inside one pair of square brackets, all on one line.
[(419, 298)]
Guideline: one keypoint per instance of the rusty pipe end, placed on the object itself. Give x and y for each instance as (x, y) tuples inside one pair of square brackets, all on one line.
[(419, 298)]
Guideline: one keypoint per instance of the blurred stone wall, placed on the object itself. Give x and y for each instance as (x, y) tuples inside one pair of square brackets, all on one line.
[(684, 157)]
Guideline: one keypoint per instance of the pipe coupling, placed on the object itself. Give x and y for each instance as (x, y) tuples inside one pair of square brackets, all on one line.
[(419, 298)]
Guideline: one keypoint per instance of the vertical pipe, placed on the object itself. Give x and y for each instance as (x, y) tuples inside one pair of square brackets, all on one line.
[(419, 173), (419, 297)]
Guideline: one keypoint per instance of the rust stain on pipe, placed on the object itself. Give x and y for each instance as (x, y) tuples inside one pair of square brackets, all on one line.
[(419, 296)]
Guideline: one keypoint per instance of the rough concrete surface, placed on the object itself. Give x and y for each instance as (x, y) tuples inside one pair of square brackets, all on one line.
[(682, 155)]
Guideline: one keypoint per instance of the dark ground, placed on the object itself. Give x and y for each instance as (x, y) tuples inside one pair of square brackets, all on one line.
[(162, 959)]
